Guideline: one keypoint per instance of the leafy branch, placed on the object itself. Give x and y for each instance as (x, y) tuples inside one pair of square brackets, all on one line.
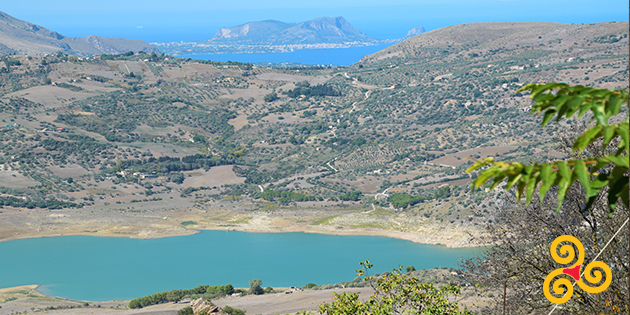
[(561, 100), (395, 293)]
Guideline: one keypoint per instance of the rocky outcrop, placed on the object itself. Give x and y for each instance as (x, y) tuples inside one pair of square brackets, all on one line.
[(203, 306), (415, 31)]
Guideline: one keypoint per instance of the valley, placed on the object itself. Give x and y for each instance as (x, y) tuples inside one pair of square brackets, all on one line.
[(146, 145)]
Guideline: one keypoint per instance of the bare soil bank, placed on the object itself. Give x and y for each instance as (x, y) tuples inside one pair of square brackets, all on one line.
[(160, 220)]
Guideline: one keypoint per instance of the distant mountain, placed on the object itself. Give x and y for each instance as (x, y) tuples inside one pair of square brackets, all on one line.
[(251, 30), (416, 31), (17, 36), (323, 30), (276, 36)]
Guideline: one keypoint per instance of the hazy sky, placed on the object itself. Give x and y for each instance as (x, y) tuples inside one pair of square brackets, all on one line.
[(160, 20)]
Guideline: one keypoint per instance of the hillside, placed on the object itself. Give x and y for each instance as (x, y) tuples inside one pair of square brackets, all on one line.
[(148, 146), (276, 36), (504, 37), (21, 37)]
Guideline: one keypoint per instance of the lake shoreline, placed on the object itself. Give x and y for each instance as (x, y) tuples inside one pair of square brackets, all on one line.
[(16, 223), (325, 230)]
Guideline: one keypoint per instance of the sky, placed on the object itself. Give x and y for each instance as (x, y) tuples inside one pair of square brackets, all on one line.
[(190, 20)]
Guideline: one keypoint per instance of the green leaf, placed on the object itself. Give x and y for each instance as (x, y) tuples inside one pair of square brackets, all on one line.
[(579, 168), (513, 180), (600, 115), (584, 108), (484, 177), (609, 133), (531, 187), (563, 186), (559, 103), (545, 87), (479, 164), (583, 90), (497, 180), (572, 108), (575, 103), (622, 131), (548, 116), (586, 138), (521, 186), (527, 87), (566, 179), (563, 169), (600, 181), (548, 178), (619, 160), (614, 104)]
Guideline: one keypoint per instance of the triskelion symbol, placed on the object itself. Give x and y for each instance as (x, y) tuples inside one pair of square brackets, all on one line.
[(562, 285)]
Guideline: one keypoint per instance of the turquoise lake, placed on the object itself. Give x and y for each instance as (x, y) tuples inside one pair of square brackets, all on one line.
[(108, 268)]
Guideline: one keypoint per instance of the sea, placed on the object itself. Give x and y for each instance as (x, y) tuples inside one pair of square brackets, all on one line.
[(114, 268), (324, 56)]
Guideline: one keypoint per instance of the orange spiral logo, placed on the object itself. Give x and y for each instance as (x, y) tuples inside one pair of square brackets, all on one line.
[(562, 286)]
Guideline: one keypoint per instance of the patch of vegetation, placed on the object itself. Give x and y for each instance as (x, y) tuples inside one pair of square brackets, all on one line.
[(233, 311), (305, 89), (351, 196), (33, 202), (70, 87), (284, 197), (402, 201), (178, 295)]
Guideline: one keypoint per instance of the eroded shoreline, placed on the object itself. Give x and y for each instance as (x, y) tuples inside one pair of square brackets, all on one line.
[(452, 236)]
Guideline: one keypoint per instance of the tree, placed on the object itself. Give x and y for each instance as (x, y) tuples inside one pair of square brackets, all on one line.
[(227, 289), (175, 295), (271, 97), (178, 178), (255, 287), (395, 293)]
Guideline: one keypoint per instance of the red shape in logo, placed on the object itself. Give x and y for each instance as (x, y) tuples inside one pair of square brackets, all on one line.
[(573, 272)]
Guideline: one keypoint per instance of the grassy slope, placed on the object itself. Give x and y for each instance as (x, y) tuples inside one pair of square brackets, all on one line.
[(409, 120)]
